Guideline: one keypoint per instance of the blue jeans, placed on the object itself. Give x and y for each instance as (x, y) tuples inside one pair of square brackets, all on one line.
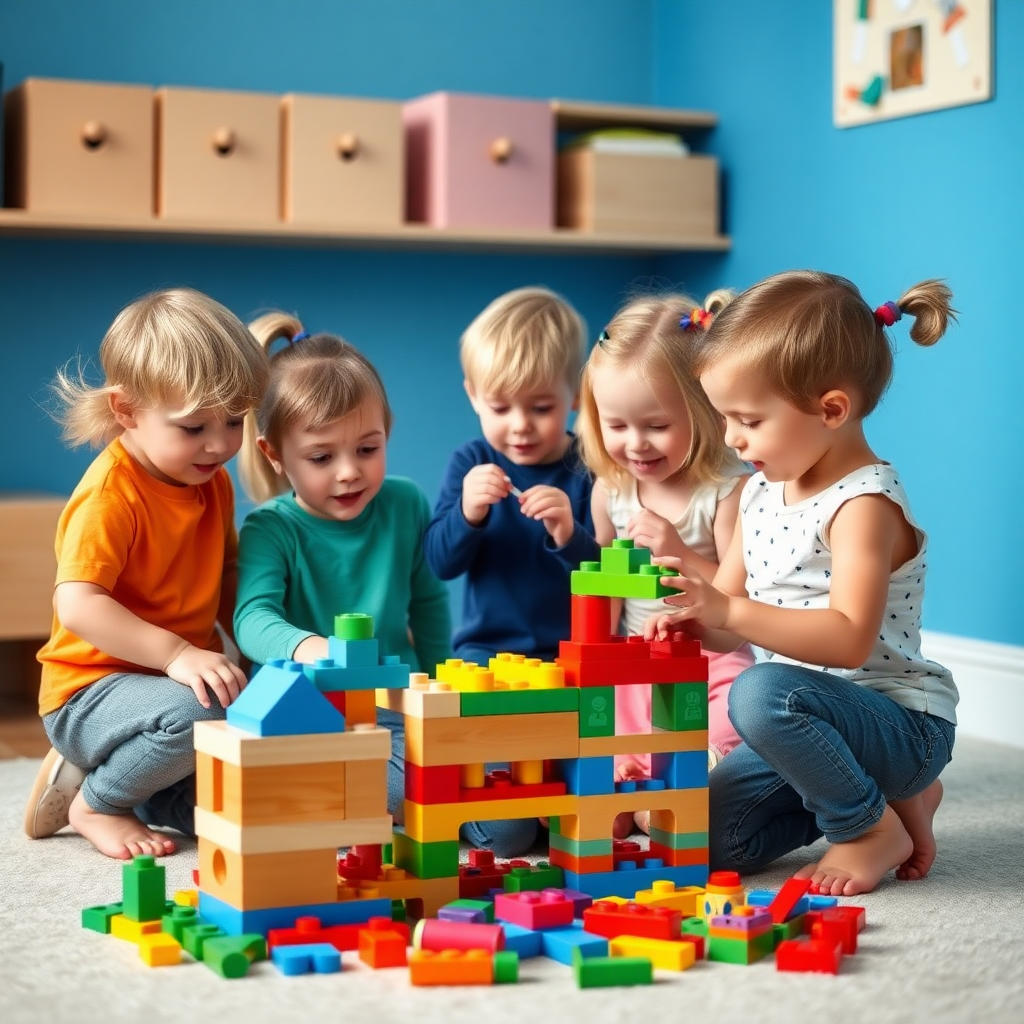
[(820, 756), (506, 838)]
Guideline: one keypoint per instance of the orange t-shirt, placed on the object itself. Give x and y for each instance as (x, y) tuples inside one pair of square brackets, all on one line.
[(159, 550)]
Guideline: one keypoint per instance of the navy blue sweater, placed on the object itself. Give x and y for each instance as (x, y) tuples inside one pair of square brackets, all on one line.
[(516, 595)]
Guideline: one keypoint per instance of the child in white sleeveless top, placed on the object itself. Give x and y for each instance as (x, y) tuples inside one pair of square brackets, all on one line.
[(846, 727), (665, 480)]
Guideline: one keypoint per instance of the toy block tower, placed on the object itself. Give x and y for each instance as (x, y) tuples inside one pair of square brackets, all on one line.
[(281, 784)]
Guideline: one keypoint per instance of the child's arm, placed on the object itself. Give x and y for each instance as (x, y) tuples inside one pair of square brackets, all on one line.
[(88, 611), (604, 533), (868, 538), (451, 541)]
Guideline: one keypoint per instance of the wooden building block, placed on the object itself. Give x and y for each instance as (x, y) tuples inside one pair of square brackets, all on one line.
[(293, 837), (366, 789), (482, 738), (248, 750)]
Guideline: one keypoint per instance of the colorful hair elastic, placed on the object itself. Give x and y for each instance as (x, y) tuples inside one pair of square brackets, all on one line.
[(888, 313), (603, 337), (296, 338), (696, 320)]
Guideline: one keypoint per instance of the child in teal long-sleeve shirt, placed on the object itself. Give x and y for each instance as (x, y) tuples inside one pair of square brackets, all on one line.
[(345, 538)]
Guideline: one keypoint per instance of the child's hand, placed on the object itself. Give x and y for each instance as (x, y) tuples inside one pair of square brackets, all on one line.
[(552, 507), (649, 530), (697, 599), (628, 770), (482, 487), (199, 669)]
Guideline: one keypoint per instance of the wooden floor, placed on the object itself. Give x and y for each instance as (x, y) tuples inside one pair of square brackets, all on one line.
[(21, 731)]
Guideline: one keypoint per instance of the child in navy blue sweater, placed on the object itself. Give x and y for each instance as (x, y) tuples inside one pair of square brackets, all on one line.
[(514, 511)]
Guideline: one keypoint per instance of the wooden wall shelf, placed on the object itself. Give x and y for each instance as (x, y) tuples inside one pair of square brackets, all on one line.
[(19, 224)]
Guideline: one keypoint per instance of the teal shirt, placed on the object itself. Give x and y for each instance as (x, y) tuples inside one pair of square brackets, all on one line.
[(297, 571)]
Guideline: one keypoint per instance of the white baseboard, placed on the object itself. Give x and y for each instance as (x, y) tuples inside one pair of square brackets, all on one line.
[(990, 678)]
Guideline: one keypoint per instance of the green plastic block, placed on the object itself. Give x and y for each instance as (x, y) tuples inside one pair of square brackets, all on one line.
[(791, 929), (427, 860), (398, 911), (144, 889), (611, 971), (506, 967), (679, 707), (741, 951), (97, 919), (581, 847), (353, 626), (195, 936), (680, 841), (597, 710), (694, 926), (519, 702), (623, 558), (644, 584), (231, 955), (178, 919), (541, 876)]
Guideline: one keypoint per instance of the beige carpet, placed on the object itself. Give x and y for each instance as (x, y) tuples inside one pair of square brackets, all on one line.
[(946, 949)]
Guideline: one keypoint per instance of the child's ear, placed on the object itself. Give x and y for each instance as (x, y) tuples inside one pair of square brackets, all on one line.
[(271, 455), (122, 409), (836, 408), (575, 407), (471, 394)]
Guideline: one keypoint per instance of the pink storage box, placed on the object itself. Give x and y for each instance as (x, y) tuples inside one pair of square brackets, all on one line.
[(479, 161)]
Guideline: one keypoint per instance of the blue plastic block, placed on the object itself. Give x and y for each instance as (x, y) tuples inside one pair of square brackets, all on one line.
[(684, 769), (280, 701), (627, 883), (589, 776), (523, 941), (390, 674), (235, 922), (313, 957), (558, 943), (353, 653)]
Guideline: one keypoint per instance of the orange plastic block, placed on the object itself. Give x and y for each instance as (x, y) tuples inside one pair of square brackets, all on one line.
[(383, 943), (159, 949), (611, 920), (451, 967), (679, 858), (582, 865)]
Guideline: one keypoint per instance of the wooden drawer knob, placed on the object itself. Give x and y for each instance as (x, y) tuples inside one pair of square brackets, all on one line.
[(94, 134), (501, 149), (224, 141), (348, 146)]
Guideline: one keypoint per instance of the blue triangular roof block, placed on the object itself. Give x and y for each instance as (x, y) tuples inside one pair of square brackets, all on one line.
[(280, 701)]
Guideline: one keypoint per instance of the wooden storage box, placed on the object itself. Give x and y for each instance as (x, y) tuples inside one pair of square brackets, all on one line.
[(218, 155), (632, 193), (479, 161), (343, 161), (28, 565), (79, 148)]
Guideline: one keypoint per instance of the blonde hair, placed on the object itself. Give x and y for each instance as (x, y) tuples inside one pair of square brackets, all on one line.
[(527, 338), (313, 381), (177, 348), (804, 332), (646, 337)]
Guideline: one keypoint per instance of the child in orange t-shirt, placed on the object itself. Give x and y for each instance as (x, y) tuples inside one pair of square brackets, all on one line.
[(146, 553)]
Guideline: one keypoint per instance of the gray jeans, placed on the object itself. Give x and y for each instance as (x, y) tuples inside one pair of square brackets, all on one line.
[(132, 733)]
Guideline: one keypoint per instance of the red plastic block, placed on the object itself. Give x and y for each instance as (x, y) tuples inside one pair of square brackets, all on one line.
[(808, 955), (434, 934), (548, 908), (681, 647), (787, 898), (591, 619), (613, 919), (383, 942), (309, 930), (833, 926), (436, 784)]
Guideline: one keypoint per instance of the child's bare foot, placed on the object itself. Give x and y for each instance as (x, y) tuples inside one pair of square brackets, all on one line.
[(859, 865), (642, 820), (917, 814), (121, 836)]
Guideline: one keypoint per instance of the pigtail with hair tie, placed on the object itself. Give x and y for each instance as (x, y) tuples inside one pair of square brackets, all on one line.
[(296, 338), (888, 313), (696, 320)]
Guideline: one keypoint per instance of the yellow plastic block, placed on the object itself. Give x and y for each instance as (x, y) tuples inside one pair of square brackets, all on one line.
[(187, 897), (132, 931), (159, 949), (663, 953), (685, 898)]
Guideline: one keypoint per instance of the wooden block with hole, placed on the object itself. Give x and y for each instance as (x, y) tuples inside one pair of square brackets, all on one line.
[(80, 148), (343, 161), (255, 881), (218, 156)]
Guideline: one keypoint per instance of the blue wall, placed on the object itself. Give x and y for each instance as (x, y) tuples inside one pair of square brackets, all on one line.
[(936, 195), (886, 205)]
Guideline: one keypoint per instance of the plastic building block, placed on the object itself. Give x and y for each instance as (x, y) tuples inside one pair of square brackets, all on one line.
[(559, 944), (722, 894), (195, 936), (680, 706), (541, 875), (638, 919), (451, 967), (626, 883), (309, 931), (314, 957), (547, 908), (663, 954), (591, 619), (809, 955), (122, 927), (97, 919), (144, 889), (784, 906), (524, 942), (235, 921), (684, 898), (231, 955), (427, 860), (506, 967), (480, 911), (434, 934), (519, 701), (158, 949), (833, 925), (281, 701), (590, 776), (383, 942), (177, 920), (609, 972)]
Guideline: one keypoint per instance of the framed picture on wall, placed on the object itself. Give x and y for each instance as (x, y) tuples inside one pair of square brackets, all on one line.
[(894, 58)]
